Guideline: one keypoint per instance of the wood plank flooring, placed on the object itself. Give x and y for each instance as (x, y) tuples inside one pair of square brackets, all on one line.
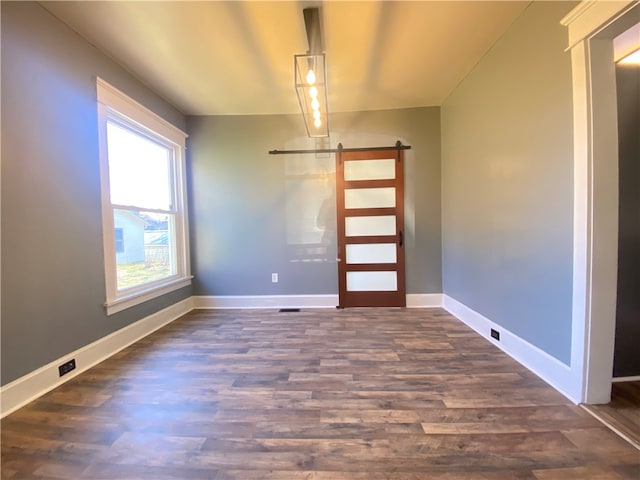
[(355, 394), (623, 412)]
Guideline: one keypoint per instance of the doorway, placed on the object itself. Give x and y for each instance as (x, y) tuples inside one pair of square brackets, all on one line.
[(593, 26), (370, 225), (626, 360), (622, 413)]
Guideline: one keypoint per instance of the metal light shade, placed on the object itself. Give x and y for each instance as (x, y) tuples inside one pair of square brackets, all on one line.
[(317, 126)]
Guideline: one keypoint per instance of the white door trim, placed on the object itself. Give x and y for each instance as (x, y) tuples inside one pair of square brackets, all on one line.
[(595, 195)]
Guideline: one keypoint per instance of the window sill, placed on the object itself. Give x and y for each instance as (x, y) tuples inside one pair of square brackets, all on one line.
[(138, 297)]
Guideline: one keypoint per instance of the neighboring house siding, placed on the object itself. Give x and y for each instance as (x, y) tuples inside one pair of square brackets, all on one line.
[(132, 236)]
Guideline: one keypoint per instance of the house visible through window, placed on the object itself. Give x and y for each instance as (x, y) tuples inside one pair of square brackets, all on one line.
[(144, 205)]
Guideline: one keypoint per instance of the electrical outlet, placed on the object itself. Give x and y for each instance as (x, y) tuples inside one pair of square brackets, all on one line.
[(67, 367), (274, 278), (495, 334)]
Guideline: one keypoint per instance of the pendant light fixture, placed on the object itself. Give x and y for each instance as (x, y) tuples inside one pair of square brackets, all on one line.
[(311, 78)]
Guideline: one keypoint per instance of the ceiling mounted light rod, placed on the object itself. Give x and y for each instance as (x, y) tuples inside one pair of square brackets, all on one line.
[(311, 78), (312, 26)]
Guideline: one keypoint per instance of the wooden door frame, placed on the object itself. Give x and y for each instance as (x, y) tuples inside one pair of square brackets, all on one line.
[(367, 298)]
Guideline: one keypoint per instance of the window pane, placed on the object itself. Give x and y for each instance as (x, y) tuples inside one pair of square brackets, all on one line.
[(369, 169), (147, 247), (371, 253), (371, 225), (139, 169), (119, 234), (370, 197), (372, 281)]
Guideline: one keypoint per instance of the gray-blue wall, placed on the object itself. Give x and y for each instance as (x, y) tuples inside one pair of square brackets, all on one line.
[(239, 199), (53, 286), (507, 181), (505, 206)]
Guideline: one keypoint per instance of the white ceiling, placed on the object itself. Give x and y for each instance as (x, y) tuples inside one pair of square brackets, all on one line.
[(236, 57)]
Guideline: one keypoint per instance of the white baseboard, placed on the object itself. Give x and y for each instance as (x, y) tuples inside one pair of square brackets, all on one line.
[(264, 301), (414, 300), (31, 386), (626, 379), (424, 300), (35, 384), (548, 368)]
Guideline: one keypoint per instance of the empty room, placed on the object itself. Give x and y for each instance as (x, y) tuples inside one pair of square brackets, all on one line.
[(328, 240)]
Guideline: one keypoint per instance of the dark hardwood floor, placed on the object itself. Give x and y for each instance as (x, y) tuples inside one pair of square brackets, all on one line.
[(623, 411), (362, 394)]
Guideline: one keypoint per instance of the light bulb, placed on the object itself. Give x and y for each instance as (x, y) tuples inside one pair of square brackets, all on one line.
[(311, 77), (316, 114), (317, 123), (315, 104), (313, 92)]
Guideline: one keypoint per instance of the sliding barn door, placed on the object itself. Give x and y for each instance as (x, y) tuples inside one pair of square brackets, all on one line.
[(370, 223)]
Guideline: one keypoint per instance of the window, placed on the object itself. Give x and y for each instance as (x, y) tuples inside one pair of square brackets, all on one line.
[(119, 234), (144, 214)]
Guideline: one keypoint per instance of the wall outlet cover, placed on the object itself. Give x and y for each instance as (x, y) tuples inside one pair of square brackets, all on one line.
[(67, 367)]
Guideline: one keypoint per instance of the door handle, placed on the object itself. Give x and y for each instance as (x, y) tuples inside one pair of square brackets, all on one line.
[(400, 239)]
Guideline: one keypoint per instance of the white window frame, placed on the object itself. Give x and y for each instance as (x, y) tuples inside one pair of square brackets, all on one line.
[(113, 105)]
